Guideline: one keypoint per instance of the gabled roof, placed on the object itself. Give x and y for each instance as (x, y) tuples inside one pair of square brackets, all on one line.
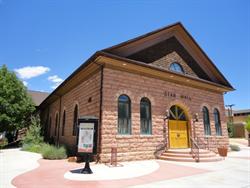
[(124, 50), (204, 64), (37, 96)]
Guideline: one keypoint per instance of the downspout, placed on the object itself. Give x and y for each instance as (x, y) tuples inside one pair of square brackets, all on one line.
[(100, 115), (47, 134), (59, 121)]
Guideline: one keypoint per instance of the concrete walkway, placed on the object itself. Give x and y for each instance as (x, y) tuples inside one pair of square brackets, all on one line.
[(233, 172), (14, 162), (125, 171)]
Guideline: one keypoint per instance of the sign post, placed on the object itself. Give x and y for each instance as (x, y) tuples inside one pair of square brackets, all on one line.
[(87, 140)]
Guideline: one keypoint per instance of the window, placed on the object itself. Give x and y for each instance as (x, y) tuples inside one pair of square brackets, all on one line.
[(124, 115), (56, 124), (75, 120), (177, 113), (217, 122), (206, 121), (63, 122), (176, 67), (145, 115)]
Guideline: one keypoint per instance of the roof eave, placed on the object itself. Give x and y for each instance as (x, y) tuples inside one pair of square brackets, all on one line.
[(83, 65), (229, 88)]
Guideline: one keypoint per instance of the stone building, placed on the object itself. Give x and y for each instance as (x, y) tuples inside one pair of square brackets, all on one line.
[(156, 92)]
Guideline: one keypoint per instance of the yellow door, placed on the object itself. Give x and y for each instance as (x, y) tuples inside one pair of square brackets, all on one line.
[(178, 134)]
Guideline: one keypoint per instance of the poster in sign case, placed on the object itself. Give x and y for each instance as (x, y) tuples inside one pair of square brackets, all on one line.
[(87, 136)]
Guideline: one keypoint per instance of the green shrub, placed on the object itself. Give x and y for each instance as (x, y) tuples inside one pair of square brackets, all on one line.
[(247, 126), (230, 129), (234, 147), (3, 142), (33, 135), (37, 148), (53, 152)]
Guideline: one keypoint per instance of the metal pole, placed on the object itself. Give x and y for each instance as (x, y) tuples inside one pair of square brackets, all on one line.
[(86, 169)]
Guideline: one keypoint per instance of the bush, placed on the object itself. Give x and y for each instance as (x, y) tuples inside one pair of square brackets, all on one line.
[(33, 135), (234, 147), (3, 142), (37, 148), (53, 152), (230, 129), (247, 126)]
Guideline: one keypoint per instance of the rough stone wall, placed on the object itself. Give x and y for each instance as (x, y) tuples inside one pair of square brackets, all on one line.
[(79, 95), (166, 61), (137, 146)]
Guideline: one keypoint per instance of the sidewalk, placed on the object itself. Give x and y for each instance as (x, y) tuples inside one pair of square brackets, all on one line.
[(233, 172), (14, 162)]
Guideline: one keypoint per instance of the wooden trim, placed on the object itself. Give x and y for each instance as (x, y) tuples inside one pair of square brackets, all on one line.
[(177, 29), (149, 71)]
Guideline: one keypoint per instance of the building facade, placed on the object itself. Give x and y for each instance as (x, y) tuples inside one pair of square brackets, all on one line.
[(238, 120), (159, 89)]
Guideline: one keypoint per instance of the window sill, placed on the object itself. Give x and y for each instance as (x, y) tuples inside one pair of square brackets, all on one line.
[(219, 136), (208, 136), (124, 136), (146, 136)]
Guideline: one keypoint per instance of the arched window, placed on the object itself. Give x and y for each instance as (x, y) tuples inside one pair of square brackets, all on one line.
[(75, 120), (217, 122), (176, 67), (63, 122), (145, 115), (56, 124), (124, 115), (177, 113), (206, 121)]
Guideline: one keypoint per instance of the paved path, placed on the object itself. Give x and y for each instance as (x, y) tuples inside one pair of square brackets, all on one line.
[(233, 172), (14, 162), (242, 142), (52, 173)]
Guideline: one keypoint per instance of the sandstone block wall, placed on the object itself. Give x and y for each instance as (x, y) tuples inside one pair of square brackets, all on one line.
[(137, 146), (87, 96), (134, 146), (168, 59)]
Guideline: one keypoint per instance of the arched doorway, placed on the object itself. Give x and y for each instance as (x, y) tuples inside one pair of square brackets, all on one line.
[(177, 128)]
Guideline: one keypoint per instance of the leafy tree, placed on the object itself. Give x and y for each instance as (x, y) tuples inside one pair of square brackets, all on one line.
[(230, 129), (247, 126), (15, 105), (33, 135)]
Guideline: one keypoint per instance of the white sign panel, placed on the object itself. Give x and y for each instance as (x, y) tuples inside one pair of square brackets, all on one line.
[(86, 137)]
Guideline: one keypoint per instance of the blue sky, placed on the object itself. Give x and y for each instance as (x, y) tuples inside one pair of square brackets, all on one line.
[(56, 36)]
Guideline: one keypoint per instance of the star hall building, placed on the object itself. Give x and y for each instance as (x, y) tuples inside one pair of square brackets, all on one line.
[(153, 93)]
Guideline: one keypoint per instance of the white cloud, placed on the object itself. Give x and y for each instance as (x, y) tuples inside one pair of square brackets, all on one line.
[(30, 72), (56, 80), (25, 83)]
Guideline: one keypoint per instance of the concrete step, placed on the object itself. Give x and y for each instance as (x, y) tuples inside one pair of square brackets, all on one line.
[(184, 151), (202, 155), (184, 155), (190, 159)]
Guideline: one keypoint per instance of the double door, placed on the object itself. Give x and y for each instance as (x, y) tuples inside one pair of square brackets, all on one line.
[(178, 134)]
